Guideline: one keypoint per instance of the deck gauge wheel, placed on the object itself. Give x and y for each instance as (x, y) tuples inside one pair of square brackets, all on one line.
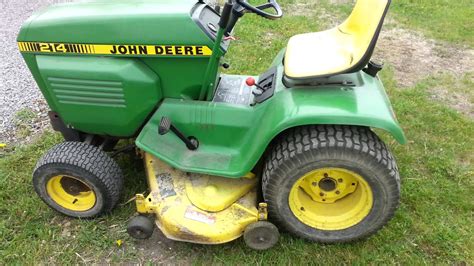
[(261, 235), (140, 227)]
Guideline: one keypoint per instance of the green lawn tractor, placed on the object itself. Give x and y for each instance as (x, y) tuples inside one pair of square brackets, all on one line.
[(225, 155)]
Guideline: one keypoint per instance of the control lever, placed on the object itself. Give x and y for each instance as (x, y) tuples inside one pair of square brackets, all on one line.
[(251, 82), (165, 127)]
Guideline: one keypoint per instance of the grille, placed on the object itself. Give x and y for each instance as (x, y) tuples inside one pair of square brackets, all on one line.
[(88, 92)]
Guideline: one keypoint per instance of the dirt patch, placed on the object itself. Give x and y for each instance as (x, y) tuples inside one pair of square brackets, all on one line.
[(326, 18), (160, 250), (268, 37), (156, 250), (415, 57), (454, 99), (299, 9)]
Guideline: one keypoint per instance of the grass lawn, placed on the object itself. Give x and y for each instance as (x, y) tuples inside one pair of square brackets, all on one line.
[(432, 225), (441, 19)]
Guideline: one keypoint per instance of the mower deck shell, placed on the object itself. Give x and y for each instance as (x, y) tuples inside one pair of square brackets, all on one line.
[(198, 208)]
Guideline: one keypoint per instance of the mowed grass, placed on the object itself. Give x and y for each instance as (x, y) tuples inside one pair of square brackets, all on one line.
[(432, 225), (441, 19)]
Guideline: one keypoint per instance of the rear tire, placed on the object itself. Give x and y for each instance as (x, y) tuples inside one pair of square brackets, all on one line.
[(331, 184), (78, 180)]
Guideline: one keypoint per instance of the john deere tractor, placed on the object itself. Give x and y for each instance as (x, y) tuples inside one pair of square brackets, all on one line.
[(226, 155)]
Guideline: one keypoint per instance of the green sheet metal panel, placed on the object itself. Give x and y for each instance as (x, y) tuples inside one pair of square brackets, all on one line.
[(116, 22), (125, 22), (107, 96), (233, 137), (128, 22)]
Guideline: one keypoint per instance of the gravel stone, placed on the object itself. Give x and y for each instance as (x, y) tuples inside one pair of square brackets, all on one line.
[(18, 90)]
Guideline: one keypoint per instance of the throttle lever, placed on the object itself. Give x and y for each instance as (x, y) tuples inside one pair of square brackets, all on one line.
[(251, 82)]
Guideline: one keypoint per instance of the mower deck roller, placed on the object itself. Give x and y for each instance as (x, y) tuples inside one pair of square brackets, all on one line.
[(198, 208)]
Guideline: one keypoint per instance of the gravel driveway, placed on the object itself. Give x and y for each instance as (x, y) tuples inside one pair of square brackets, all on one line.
[(18, 90)]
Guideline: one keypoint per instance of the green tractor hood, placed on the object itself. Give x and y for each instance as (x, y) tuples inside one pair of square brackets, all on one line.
[(104, 66), (118, 22)]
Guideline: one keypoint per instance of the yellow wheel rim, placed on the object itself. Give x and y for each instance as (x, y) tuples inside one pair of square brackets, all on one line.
[(331, 199), (71, 193)]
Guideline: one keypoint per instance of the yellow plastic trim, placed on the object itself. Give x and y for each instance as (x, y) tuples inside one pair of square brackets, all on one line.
[(338, 49), (80, 201), (331, 198)]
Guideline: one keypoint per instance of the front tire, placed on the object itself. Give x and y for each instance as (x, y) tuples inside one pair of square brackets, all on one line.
[(78, 180), (331, 184)]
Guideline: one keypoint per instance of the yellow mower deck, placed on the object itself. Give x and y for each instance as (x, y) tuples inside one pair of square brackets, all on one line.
[(198, 208)]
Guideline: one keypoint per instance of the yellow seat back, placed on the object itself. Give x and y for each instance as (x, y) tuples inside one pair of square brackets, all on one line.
[(343, 49), (363, 25)]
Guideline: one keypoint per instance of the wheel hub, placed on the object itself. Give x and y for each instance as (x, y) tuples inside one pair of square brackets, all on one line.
[(331, 198), (70, 193), (73, 186), (327, 184)]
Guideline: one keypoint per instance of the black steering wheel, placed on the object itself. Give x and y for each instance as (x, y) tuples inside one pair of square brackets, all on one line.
[(259, 10)]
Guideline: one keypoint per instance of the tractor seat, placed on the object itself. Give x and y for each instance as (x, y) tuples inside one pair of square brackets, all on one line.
[(344, 49)]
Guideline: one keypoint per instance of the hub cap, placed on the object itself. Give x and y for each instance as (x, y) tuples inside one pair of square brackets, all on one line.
[(71, 193), (331, 199)]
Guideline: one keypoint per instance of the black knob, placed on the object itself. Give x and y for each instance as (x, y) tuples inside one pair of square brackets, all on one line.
[(373, 68)]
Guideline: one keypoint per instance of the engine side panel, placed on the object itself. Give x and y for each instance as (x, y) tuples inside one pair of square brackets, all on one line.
[(100, 95)]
